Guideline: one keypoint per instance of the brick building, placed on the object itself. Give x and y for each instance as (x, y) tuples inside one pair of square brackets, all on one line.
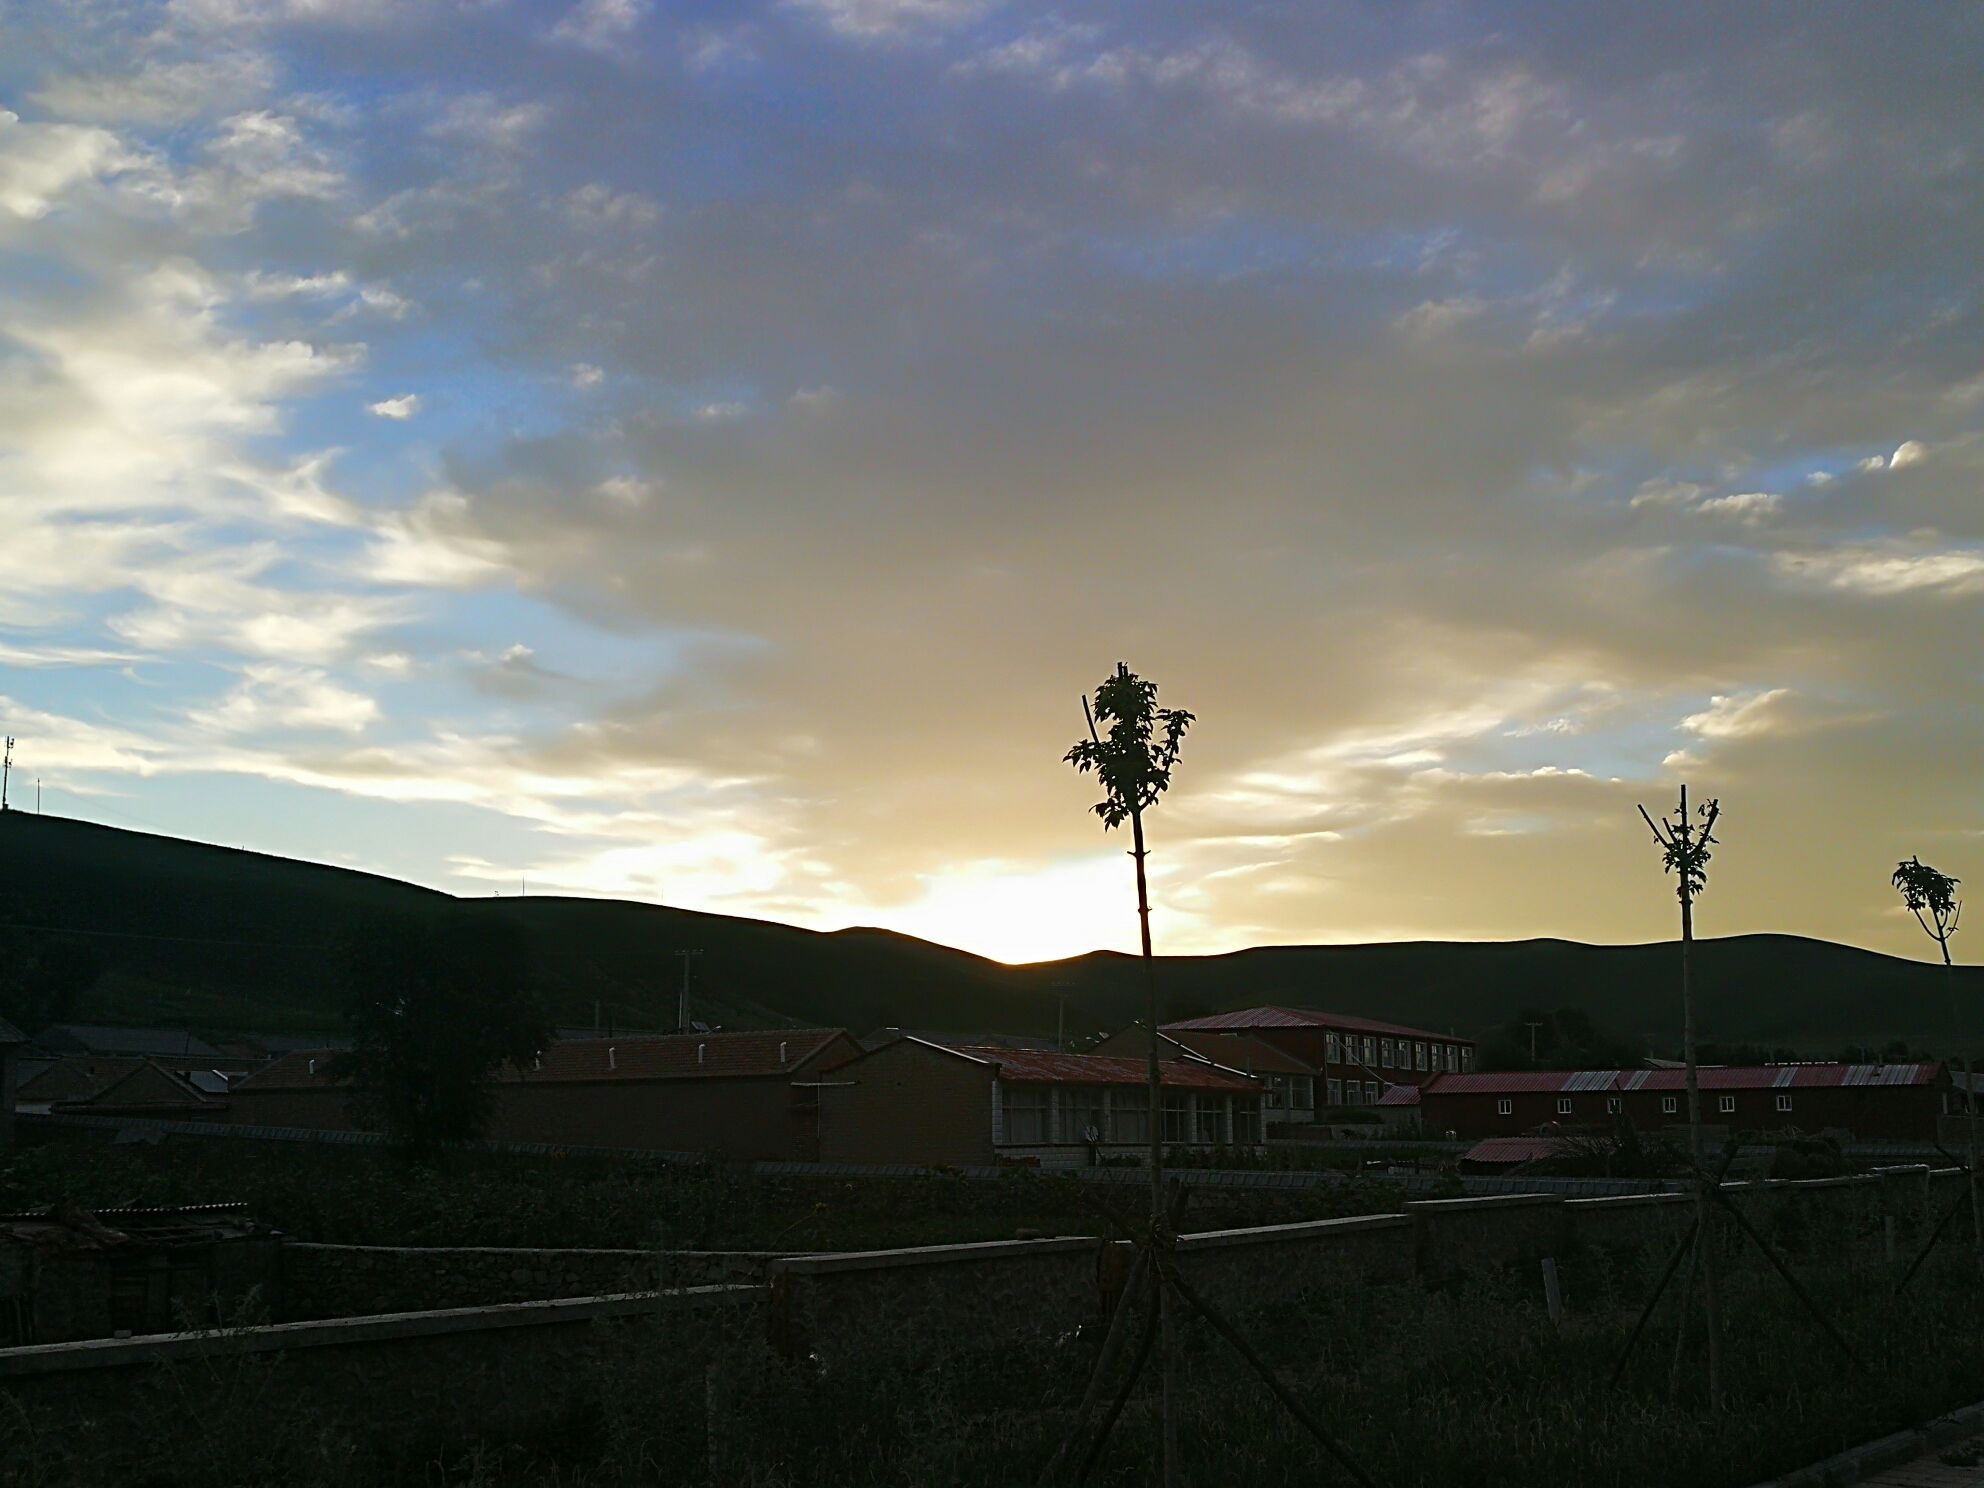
[(1868, 1100), (1356, 1059), (731, 1093), (915, 1101)]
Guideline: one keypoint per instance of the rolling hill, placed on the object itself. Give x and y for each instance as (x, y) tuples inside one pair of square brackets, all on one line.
[(214, 938)]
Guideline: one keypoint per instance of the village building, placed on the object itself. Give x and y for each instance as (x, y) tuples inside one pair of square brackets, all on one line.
[(1289, 1086), (929, 1104), (141, 1088), (719, 1092), (11, 1042), (1870, 1101), (1356, 1059)]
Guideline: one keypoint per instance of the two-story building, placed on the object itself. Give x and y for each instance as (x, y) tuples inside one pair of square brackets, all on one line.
[(1356, 1059)]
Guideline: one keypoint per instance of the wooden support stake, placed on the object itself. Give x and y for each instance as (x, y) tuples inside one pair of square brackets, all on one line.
[(1553, 1294), (1094, 1453)]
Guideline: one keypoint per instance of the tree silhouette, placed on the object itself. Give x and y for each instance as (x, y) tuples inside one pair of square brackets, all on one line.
[(1930, 896), (438, 1005), (1133, 760)]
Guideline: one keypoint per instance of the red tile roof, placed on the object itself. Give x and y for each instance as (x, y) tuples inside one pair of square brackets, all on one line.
[(1726, 1077), (1032, 1067), (670, 1056), (1282, 1017)]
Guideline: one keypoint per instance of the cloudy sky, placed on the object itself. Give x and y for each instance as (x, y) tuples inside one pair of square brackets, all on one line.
[(702, 452)]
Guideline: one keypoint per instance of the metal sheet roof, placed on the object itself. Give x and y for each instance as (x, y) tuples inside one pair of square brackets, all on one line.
[(1284, 1017), (1034, 1067), (1720, 1077)]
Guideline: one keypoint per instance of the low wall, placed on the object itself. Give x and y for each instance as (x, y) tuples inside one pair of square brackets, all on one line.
[(331, 1281)]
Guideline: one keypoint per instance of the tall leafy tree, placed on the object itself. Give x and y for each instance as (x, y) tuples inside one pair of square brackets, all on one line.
[(1930, 896), (1131, 748), (438, 1005)]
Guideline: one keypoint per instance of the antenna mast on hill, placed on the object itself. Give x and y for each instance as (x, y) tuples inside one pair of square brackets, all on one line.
[(6, 771), (682, 1009)]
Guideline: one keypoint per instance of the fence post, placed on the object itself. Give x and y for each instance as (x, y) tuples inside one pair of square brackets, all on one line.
[(1553, 1294)]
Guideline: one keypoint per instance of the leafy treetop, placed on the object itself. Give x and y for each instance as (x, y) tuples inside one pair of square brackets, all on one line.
[(1134, 757), (1929, 893)]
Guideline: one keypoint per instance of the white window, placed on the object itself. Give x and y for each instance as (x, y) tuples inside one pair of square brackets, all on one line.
[(1205, 1129), (1333, 1053), (1563, 1105), (1420, 1050), (1305, 1092), (1505, 1107), (1453, 1057), (1466, 1058), (1334, 1089), (1370, 1048), (1726, 1104), (1353, 1092), (1026, 1114), (1436, 1059), (1612, 1104), (1276, 1090), (1784, 1103), (1370, 1092), (1384, 1053), (1081, 1109), (1669, 1105), (1177, 1123), (1129, 1114)]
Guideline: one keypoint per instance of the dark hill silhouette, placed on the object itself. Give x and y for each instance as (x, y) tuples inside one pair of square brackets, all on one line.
[(213, 938)]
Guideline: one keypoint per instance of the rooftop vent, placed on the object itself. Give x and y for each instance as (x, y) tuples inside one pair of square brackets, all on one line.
[(701, 1051), (612, 1058), (781, 1053), (313, 1067)]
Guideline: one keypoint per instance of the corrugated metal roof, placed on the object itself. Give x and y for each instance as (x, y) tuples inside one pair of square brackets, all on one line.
[(1508, 1151), (671, 1056), (1240, 1051), (1720, 1077), (1034, 1067), (1400, 1095), (1282, 1017)]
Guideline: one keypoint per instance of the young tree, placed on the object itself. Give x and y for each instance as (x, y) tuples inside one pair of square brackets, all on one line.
[(1931, 898), (437, 1006), (1684, 848), (42, 975), (1132, 746)]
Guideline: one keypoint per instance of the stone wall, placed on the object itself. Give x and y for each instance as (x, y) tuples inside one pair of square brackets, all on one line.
[(330, 1281)]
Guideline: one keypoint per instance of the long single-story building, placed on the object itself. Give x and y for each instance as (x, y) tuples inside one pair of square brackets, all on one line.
[(728, 1093), (1868, 1100), (916, 1101), (1357, 1059)]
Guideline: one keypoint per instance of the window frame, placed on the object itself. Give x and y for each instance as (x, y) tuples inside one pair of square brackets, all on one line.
[(1725, 1105), (1420, 1049), (1784, 1102), (1505, 1106), (1027, 1101), (1670, 1105), (1563, 1105)]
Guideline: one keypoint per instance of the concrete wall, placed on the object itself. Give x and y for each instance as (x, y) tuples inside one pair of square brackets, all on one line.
[(907, 1103), (333, 1281)]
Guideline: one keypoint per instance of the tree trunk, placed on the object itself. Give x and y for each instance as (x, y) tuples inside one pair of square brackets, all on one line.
[(1166, 1357), (1704, 1219), (1969, 1102)]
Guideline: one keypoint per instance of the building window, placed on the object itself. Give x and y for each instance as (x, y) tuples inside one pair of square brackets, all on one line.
[(1334, 1089), (1129, 1114), (1333, 1051), (1246, 1121), (1420, 1049), (1206, 1128), (1177, 1128), (1453, 1058), (1304, 1092), (1563, 1105), (1784, 1103), (1275, 1087), (1466, 1058), (1026, 1114), (1384, 1053), (1370, 1092), (1612, 1105), (1505, 1107), (1081, 1108), (1370, 1048), (1726, 1104), (1669, 1105), (1353, 1093)]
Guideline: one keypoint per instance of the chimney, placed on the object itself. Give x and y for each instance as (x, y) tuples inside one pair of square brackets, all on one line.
[(612, 1058)]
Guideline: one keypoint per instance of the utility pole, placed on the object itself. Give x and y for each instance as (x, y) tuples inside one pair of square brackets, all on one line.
[(1532, 1027), (6, 771), (682, 1008)]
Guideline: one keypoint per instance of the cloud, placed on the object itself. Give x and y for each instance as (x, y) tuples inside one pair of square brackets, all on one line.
[(272, 698), (40, 163), (399, 409), (871, 20), (1909, 452), (599, 24)]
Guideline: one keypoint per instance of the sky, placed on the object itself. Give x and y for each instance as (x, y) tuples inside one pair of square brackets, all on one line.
[(703, 453)]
